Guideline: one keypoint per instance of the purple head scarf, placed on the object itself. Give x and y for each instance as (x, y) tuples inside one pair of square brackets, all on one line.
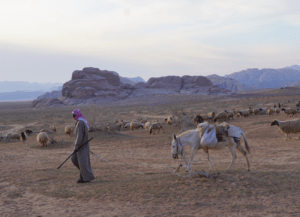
[(79, 116)]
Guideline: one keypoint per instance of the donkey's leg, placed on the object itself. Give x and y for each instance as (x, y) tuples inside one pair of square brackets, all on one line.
[(232, 147), (192, 158), (239, 147), (206, 151)]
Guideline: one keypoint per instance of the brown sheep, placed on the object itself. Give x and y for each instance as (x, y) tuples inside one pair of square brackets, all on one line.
[(70, 130)]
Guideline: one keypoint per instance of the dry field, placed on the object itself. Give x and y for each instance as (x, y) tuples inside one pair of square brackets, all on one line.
[(30, 184)]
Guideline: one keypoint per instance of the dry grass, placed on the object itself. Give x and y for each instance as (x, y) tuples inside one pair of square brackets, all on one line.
[(29, 171)]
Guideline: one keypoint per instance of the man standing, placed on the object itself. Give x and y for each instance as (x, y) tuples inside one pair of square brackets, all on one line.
[(81, 157)]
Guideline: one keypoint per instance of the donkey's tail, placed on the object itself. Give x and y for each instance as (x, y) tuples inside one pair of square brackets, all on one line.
[(246, 143)]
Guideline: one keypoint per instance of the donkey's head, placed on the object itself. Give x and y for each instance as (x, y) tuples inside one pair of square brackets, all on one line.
[(175, 149)]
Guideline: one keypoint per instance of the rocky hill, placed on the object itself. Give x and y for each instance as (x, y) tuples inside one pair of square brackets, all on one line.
[(227, 83), (267, 78), (92, 86)]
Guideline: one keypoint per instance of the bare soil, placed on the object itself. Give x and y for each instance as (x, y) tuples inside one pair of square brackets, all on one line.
[(30, 184)]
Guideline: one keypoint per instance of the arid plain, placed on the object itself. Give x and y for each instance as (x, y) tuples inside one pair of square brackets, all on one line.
[(30, 184)]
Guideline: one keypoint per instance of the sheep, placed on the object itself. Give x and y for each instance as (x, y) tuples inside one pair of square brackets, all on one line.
[(263, 110), (127, 126), (69, 130), (42, 138), (212, 114), (16, 136), (143, 121), (277, 110), (244, 113), (114, 127), (270, 111), (156, 126), (205, 117), (198, 119), (148, 125), (229, 114), (169, 120), (124, 123), (46, 131), (250, 111), (290, 111), (288, 127), (23, 137), (220, 115), (28, 132), (53, 128), (8, 136), (92, 129), (135, 125), (256, 111)]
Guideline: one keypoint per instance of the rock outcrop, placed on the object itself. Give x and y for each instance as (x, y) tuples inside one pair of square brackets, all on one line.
[(227, 83), (46, 102), (92, 86)]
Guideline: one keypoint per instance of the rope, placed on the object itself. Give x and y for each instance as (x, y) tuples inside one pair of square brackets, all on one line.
[(201, 173), (131, 169)]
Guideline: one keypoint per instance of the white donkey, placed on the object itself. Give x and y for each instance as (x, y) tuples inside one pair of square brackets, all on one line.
[(193, 137)]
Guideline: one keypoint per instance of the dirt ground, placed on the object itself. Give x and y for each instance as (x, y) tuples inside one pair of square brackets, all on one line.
[(30, 184)]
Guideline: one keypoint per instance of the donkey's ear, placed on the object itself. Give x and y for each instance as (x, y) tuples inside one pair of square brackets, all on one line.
[(175, 137)]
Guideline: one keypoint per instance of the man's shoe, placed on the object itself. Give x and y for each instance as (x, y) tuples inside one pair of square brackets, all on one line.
[(82, 181)]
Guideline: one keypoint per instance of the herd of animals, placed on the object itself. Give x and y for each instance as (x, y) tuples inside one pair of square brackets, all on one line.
[(286, 127)]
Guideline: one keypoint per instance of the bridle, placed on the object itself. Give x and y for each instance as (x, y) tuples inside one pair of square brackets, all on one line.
[(179, 147)]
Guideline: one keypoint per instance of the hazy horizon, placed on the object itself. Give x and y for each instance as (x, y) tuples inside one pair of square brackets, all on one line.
[(45, 41)]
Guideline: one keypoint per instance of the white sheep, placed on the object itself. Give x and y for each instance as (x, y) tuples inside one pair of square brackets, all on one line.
[(16, 137), (156, 126), (114, 127), (42, 138), (290, 111), (127, 125), (148, 125), (277, 110), (169, 120), (135, 125), (288, 127), (124, 123), (220, 115)]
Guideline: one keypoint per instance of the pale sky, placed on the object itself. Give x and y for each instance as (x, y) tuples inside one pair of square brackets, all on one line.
[(45, 41)]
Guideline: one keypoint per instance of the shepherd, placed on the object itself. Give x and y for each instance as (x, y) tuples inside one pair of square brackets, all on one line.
[(81, 158)]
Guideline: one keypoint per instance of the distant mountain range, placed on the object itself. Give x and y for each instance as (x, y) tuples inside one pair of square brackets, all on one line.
[(249, 79), (13, 86), (20, 95), (267, 78)]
